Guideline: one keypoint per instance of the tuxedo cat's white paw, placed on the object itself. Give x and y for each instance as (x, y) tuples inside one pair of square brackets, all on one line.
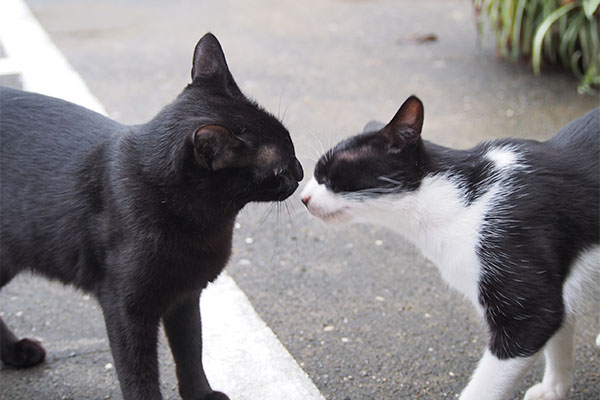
[(543, 391)]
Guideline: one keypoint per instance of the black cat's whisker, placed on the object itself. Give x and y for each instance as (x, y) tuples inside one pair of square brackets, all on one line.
[(264, 217), (279, 104), (277, 205), (293, 225)]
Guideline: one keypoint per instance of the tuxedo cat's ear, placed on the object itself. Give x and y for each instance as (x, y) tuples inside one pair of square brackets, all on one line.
[(209, 62), (408, 121), (373, 126), (209, 142)]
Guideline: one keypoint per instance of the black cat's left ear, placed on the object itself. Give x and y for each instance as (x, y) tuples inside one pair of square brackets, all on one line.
[(209, 62), (407, 123)]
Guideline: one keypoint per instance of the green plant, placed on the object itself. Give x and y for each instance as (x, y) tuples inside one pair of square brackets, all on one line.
[(565, 31)]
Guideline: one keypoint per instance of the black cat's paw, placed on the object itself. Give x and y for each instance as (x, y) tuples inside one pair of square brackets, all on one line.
[(216, 396), (24, 354)]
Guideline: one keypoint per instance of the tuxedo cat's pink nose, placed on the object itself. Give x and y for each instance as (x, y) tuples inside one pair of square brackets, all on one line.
[(306, 199)]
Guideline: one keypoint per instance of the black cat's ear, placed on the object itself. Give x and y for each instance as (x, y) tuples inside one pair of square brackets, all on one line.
[(209, 62), (407, 123), (209, 59), (209, 142)]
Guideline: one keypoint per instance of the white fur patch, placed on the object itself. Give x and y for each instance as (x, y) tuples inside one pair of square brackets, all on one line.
[(503, 157), (495, 379), (582, 284), (324, 204), (434, 217)]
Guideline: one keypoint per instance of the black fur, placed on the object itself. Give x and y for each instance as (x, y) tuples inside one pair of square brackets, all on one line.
[(139, 216), (550, 216)]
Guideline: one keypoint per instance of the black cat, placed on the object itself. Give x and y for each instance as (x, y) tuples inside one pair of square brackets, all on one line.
[(139, 216)]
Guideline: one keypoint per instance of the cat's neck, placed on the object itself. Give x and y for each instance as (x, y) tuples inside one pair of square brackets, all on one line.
[(445, 215), (180, 200), (447, 210)]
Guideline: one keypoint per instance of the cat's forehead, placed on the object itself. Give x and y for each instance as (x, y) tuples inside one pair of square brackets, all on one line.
[(353, 149), (354, 154)]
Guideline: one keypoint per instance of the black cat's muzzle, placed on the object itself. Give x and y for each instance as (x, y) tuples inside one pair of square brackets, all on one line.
[(283, 180)]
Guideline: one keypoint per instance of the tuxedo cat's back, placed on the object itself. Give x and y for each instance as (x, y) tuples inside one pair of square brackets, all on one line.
[(553, 184)]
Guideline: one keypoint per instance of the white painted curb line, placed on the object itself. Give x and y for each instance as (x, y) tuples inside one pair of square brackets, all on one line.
[(242, 356)]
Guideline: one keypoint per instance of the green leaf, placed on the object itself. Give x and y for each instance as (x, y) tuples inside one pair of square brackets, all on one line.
[(541, 33), (568, 40), (589, 7), (516, 34)]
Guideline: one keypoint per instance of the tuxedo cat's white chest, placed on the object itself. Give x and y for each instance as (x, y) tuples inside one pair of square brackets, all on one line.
[(434, 217), (446, 230)]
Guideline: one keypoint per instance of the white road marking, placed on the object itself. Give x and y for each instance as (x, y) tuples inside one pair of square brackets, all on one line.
[(242, 356), (43, 68)]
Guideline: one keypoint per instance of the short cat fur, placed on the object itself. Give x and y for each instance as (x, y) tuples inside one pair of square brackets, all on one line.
[(139, 216), (512, 224)]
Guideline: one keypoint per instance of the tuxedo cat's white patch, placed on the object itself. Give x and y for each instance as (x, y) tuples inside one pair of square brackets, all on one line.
[(582, 286), (503, 157), (436, 220), (324, 204), (494, 378)]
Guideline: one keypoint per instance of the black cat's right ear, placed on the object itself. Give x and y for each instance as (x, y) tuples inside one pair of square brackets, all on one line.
[(208, 142), (407, 123), (209, 62)]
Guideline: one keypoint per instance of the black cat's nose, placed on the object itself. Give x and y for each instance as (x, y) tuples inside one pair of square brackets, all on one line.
[(296, 169)]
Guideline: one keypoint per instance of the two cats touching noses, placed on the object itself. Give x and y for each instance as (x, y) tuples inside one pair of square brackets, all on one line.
[(141, 217)]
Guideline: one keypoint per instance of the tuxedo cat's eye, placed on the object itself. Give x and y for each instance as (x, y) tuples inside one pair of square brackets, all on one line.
[(320, 177)]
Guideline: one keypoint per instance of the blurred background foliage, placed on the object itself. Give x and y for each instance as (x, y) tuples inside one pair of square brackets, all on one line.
[(547, 31)]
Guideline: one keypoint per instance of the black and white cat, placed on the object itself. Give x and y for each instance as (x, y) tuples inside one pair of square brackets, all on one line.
[(514, 225), (140, 216)]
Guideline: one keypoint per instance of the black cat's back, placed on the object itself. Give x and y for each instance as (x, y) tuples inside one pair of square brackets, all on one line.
[(58, 175)]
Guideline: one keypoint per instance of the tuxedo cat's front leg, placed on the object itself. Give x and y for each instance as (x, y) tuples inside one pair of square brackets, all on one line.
[(133, 341), (184, 330), (495, 379), (558, 373)]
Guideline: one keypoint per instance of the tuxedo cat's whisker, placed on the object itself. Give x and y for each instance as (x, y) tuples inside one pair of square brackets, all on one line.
[(313, 149), (305, 154), (316, 137), (390, 180)]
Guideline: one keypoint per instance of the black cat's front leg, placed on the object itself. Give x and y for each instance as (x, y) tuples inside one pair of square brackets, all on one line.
[(17, 353), (133, 342), (184, 331)]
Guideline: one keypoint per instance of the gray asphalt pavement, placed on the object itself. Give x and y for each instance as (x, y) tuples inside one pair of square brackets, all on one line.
[(362, 312)]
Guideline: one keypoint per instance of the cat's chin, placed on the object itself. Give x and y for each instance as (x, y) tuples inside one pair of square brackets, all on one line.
[(335, 218)]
